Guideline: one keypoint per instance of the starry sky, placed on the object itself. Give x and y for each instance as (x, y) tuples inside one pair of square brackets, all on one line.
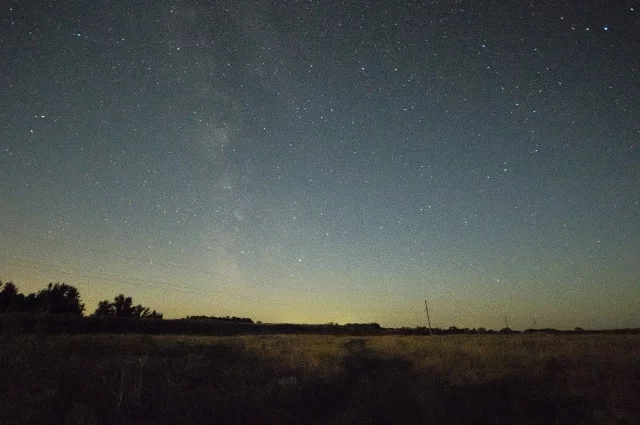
[(323, 161)]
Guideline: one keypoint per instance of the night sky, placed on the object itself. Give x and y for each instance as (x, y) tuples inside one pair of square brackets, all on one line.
[(321, 161)]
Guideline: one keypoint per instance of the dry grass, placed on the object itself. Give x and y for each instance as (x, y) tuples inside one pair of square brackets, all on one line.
[(474, 379)]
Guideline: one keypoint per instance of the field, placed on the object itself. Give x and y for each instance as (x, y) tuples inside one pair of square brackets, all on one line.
[(320, 379)]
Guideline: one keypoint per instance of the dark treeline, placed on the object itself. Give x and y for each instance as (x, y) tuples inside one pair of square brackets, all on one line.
[(122, 306), (453, 330), (422, 330), (58, 309), (60, 298), (225, 318), (54, 324)]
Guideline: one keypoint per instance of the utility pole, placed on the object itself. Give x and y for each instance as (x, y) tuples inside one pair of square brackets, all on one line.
[(506, 322), (426, 307)]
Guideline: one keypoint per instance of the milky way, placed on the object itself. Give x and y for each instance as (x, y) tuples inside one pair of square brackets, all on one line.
[(317, 161)]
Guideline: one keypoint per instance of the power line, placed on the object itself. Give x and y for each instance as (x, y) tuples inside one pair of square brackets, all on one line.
[(103, 251), (175, 266), (127, 280), (82, 273), (154, 283)]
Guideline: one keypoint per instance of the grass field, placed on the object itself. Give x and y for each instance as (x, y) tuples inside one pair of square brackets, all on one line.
[(299, 379)]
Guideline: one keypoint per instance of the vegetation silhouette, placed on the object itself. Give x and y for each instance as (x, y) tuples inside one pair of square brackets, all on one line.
[(8, 292), (58, 309), (58, 298), (53, 370), (122, 306), (225, 318)]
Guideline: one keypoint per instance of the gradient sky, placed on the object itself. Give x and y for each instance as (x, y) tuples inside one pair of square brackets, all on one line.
[(312, 161)]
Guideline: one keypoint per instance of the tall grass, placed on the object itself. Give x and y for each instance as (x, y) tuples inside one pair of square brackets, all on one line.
[(319, 379)]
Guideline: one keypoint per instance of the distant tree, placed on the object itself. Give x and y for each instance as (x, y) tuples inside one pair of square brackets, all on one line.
[(144, 313), (55, 299), (59, 298), (226, 319), (104, 309), (8, 292), (25, 303), (11, 300), (122, 306)]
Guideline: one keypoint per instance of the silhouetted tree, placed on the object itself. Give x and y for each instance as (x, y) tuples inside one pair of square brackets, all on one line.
[(60, 299), (123, 307), (228, 319), (25, 303), (8, 293), (104, 309), (55, 299), (11, 300)]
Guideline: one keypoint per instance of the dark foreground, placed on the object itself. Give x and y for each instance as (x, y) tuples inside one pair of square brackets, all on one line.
[(510, 379)]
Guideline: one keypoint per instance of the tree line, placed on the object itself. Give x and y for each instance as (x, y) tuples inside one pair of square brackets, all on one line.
[(61, 298), (234, 319)]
